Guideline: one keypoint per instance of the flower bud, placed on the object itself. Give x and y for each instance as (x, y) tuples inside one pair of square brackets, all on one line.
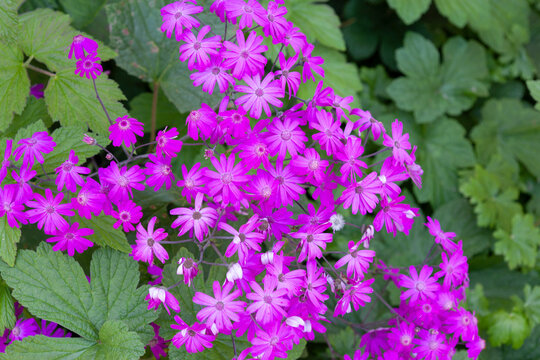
[(208, 153), (235, 272), (109, 156), (157, 293), (188, 268), (267, 258)]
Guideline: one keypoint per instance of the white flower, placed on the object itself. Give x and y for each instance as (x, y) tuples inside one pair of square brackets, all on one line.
[(337, 221)]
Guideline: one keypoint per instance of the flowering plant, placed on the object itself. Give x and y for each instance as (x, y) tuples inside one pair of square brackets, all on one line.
[(254, 270)]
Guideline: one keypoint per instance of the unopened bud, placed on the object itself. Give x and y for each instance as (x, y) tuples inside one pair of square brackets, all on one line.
[(109, 156), (89, 140), (208, 153), (235, 272), (267, 258), (157, 293)]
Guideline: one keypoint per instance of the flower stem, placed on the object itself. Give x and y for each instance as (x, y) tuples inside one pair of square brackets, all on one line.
[(39, 70)]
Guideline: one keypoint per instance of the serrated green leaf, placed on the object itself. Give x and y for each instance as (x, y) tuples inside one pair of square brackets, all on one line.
[(145, 52), (7, 309), (409, 10), (104, 233), (344, 341), (49, 348), (53, 287), (318, 21), (463, 12), (508, 328), (520, 246), (8, 21), (532, 304), (14, 84), (118, 343), (114, 280), (477, 301), (534, 89), (72, 101), (518, 139), (82, 12), (9, 237), (494, 205), (35, 110), (431, 89)]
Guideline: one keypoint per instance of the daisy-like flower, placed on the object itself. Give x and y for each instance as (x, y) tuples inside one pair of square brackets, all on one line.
[(259, 94), (128, 214), (310, 165), (398, 142), (166, 143), (52, 329), (197, 220), (197, 48), (395, 216), (122, 181), (193, 183), (289, 79), (274, 23), (312, 241), (357, 261), (10, 207), (124, 130), (362, 196), (220, 310), (89, 67), (212, 74), (187, 268), (203, 120), (33, 148), (246, 238), (431, 345), (367, 121), (285, 135), (441, 237), (272, 342), (245, 59), (195, 337), (357, 294), (228, 178), (69, 173), (178, 15), (236, 122), (159, 172), (82, 45), (89, 199), (330, 133), (247, 12), (349, 154), (147, 244), (70, 238), (421, 285), (312, 64), (48, 211), (157, 345), (288, 184), (269, 303), (23, 328), (24, 190), (158, 295)]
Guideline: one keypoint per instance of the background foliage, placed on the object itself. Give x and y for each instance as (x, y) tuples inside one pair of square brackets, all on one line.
[(460, 74)]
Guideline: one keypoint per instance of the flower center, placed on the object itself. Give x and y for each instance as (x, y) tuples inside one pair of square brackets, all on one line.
[(197, 45), (248, 9), (286, 135), (88, 64), (244, 54), (77, 39), (67, 166), (178, 15), (191, 332), (433, 345), (260, 150), (82, 199), (125, 216), (226, 178), (420, 286), (281, 180), (165, 170), (274, 341), (216, 70), (266, 192), (285, 73), (8, 207), (405, 340), (267, 299), (50, 209), (309, 238), (313, 165), (16, 331), (396, 144), (242, 237), (196, 215), (195, 115), (69, 236), (359, 189), (124, 124), (259, 92), (270, 17), (150, 242), (123, 181), (220, 305)]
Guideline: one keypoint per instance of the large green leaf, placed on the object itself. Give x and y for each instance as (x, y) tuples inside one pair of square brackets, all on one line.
[(14, 84), (532, 304), (463, 12), (518, 138), (508, 328), (104, 233), (8, 21), (9, 237), (144, 51), (409, 10), (53, 286), (7, 309), (431, 89), (35, 110), (318, 21), (82, 12), (116, 342), (519, 246)]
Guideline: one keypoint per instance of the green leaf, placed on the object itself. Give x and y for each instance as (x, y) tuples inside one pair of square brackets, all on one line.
[(508, 328), (409, 10), (344, 341), (14, 84), (518, 139), (534, 88), (431, 89), (104, 233), (82, 12), (532, 304), (495, 205), (318, 21), (520, 246), (35, 110), (47, 35), (49, 348), (9, 237), (53, 286), (72, 101), (145, 52), (463, 12), (116, 342), (166, 113), (8, 21), (7, 309)]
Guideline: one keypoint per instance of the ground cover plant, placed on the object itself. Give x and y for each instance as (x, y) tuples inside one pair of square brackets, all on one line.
[(263, 180)]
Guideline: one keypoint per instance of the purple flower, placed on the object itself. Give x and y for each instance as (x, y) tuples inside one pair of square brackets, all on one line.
[(159, 172), (33, 148), (177, 16), (23, 328), (197, 220), (158, 295), (268, 304), (197, 49), (147, 244), (187, 268), (420, 286), (70, 237), (167, 145), (82, 45), (69, 173), (214, 73), (195, 337), (128, 214), (259, 94), (124, 130), (89, 67), (37, 91), (48, 212), (398, 142), (10, 207)]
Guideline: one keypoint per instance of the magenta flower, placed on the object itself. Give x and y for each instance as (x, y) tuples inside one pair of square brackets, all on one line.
[(357, 294), (236, 122), (124, 130), (314, 285), (391, 172), (70, 237), (441, 237), (365, 122), (195, 337), (10, 207), (197, 49), (24, 190), (48, 212), (310, 165), (226, 181), (221, 309), (245, 59), (246, 12), (69, 173), (245, 239), (187, 268), (196, 220), (23, 328), (214, 73), (193, 183), (89, 199), (454, 269), (167, 145), (312, 241), (147, 244), (274, 23), (431, 345), (288, 184), (157, 345), (177, 16), (285, 135), (259, 94), (158, 295), (82, 45), (349, 154), (398, 142), (122, 181), (289, 79), (33, 148), (89, 67), (362, 196), (394, 215), (268, 304), (6, 163), (53, 330), (204, 120), (159, 172), (128, 214), (357, 261), (294, 37), (312, 64), (271, 342), (419, 285), (330, 133)]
